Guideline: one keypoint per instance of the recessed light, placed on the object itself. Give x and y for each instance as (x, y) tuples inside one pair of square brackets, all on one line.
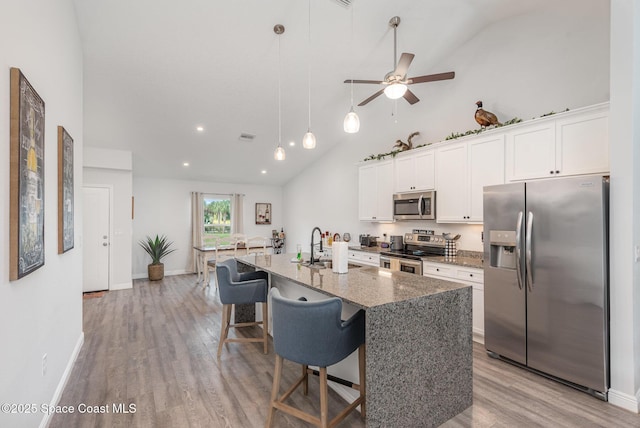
[(199, 128), (292, 143), (264, 171), (185, 163)]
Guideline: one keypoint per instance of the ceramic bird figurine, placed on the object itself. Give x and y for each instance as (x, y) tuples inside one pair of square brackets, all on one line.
[(485, 118), (408, 145)]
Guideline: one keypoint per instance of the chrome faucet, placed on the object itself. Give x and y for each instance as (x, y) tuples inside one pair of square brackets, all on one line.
[(320, 232)]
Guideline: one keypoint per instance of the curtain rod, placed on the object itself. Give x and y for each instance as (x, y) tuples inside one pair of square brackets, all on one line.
[(223, 194)]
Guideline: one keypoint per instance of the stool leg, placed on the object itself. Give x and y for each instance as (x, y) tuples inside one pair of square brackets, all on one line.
[(224, 327), (362, 369), (274, 390), (324, 398), (305, 379), (265, 326)]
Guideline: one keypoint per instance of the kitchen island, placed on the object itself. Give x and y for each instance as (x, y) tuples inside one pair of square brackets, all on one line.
[(418, 336)]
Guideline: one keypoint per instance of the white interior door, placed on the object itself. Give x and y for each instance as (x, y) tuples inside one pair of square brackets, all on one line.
[(95, 243)]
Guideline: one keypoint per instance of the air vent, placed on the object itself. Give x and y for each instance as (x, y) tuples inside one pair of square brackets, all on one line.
[(246, 137), (345, 3)]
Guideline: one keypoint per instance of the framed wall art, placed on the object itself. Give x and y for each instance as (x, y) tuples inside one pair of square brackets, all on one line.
[(26, 200), (263, 213), (65, 191)]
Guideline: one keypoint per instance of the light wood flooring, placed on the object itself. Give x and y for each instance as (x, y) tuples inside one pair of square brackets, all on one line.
[(154, 346)]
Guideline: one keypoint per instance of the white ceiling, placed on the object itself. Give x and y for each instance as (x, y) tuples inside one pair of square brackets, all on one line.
[(156, 69)]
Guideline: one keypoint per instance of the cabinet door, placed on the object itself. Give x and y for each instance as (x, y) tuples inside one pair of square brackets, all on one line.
[(384, 205), (404, 173), (486, 168), (367, 192), (582, 144), (452, 184), (531, 152), (425, 174)]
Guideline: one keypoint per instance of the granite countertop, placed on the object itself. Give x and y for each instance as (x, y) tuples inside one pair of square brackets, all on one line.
[(375, 249), (364, 287), (470, 259)]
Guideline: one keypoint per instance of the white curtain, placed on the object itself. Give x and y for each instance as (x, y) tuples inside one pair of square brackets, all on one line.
[(197, 227), (237, 222)]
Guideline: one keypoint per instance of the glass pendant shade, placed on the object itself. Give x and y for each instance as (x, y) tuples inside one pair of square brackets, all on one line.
[(279, 154), (351, 122), (309, 140), (395, 90)]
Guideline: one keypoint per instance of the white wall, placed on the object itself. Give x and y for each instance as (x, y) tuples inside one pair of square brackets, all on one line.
[(42, 312), (625, 204), (163, 207), (112, 168), (522, 67)]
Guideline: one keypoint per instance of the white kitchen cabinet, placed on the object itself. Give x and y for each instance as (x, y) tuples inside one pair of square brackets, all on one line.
[(462, 171), (364, 258), (415, 172), (463, 275), (571, 143), (375, 191)]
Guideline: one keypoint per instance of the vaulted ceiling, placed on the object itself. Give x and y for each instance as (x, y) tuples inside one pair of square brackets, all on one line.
[(154, 70)]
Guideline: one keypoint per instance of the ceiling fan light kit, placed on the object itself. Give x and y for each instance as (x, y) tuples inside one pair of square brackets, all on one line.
[(396, 81)]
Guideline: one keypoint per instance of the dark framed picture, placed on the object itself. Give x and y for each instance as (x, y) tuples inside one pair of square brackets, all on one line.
[(65, 191), (263, 213), (26, 200)]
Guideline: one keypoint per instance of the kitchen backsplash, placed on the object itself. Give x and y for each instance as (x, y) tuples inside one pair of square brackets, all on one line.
[(471, 234)]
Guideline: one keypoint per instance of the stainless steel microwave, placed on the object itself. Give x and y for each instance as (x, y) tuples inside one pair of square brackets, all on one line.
[(414, 206)]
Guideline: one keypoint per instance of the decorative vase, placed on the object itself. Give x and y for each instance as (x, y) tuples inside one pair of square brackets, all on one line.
[(156, 272)]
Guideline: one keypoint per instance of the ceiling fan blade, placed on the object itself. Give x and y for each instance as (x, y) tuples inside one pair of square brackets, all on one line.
[(431, 78), (372, 97), (376, 82), (410, 97), (403, 64)]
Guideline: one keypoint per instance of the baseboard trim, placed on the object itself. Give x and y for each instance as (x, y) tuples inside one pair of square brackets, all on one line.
[(63, 380), (478, 336), (121, 286), (348, 394), (166, 273), (625, 401)]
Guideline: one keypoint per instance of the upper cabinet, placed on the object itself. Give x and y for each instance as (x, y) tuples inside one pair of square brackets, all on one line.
[(572, 143), (462, 171), (414, 172), (375, 191)]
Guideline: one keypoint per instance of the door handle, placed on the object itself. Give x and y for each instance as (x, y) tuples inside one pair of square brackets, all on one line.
[(104, 244), (528, 250), (519, 250)]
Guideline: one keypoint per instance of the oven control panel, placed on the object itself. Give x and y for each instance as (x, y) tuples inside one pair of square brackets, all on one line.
[(424, 239)]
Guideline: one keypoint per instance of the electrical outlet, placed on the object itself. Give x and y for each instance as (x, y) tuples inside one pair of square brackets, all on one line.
[(44, 364)]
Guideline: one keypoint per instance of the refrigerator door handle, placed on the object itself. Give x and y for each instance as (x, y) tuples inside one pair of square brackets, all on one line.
[(528, 250), (420, 206), (518, 250)]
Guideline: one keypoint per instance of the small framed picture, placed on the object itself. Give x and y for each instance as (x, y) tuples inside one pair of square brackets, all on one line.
[(263, 213)]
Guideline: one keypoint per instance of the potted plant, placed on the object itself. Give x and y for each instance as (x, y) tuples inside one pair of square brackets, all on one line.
[(157, 248)]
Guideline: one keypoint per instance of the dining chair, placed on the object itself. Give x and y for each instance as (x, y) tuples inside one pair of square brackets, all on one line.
[(210, 263), (239, 242), (313, 334), (257, 245)]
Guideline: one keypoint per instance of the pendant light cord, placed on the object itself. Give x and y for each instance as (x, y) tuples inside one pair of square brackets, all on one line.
[(309, 66), (279, 96), (351, 49)]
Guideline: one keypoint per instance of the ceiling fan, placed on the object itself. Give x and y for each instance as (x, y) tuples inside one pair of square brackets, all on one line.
[(396, 81)]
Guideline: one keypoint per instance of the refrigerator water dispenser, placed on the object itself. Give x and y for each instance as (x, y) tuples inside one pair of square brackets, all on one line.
[(503, 248)]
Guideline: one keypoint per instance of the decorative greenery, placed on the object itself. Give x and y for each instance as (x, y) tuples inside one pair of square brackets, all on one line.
[(157, 248), (455, 135)]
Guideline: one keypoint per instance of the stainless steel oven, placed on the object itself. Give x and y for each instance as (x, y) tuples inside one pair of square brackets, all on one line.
[(401, 264), (414, 206)]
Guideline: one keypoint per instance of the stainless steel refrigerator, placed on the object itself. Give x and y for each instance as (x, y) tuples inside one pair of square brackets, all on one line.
[(546, 278)]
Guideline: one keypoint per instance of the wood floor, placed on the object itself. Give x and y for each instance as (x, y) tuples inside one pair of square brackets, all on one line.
[(154, 347)]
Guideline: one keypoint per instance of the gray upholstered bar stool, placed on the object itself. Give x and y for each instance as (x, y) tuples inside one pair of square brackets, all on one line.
[(313, 334), (241, 288)]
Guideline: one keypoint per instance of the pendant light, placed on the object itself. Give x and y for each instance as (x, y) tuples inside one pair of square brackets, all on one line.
[(351, 120), (309, 140), (279, 154)]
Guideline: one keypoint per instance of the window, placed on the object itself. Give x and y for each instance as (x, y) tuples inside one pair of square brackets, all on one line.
[(217, 219)]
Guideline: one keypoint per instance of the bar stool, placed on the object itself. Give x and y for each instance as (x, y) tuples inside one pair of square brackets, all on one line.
[(312, 334), (241, 288)]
